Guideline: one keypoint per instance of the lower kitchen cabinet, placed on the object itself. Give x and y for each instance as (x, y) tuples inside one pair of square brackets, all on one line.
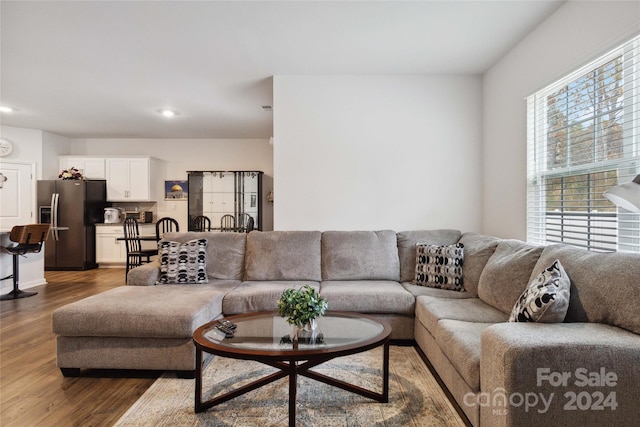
[(110, 250)]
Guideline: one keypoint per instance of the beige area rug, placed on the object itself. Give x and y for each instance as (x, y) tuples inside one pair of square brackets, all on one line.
[(415, 398)]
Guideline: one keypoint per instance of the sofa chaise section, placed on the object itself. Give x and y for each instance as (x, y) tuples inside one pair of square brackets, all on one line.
[(136, 327), (144, 325)]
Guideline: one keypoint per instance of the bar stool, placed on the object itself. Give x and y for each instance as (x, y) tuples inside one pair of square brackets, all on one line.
[(29, 239)]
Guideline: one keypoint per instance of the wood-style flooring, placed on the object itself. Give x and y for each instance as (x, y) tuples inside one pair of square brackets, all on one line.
[(33, 392)]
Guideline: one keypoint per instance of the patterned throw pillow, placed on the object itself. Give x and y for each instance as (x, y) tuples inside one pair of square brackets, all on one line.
[(546, 298), (439, 266), (183, 262)]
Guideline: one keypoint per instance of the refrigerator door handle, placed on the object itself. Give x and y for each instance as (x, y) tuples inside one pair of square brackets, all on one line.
[(54, 215)]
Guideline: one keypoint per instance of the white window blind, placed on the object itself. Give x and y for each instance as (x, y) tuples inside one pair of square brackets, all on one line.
[(583, 137)]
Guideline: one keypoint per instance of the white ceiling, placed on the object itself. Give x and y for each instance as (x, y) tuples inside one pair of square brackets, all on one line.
[(104, 69)]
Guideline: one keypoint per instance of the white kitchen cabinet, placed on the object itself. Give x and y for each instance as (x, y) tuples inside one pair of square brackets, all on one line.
[(89, 167), (110, 250), (131, 179)]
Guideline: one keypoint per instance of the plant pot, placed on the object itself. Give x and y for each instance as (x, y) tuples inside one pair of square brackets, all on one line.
[(307, 333)]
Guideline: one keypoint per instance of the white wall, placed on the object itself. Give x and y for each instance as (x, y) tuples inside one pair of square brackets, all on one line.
[(575, 34), (29, 146), (377, 152), (53, 146), (181, 155), (42, 148)]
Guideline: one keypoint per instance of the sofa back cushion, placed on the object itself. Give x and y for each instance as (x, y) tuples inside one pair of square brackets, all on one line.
[(478, 249), (507, 273), (283, 255), (605, 287), (225, 252), (360, 255), (407, 241)]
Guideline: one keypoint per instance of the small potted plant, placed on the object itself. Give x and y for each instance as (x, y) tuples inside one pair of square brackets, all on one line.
[(302, 307)]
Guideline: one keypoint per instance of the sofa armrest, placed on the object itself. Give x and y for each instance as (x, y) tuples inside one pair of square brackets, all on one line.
[(570, 374), (144, 275)]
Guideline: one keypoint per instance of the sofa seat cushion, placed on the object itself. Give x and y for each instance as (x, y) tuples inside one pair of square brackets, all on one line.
[(368, 296), (460, 342), (430, 310), (283, 255), (162, 311), (434, 292), (259, 295), (360, 255), (407, 241)]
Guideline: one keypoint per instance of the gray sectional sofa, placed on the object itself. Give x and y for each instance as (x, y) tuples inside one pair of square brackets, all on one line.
[(583, 371)]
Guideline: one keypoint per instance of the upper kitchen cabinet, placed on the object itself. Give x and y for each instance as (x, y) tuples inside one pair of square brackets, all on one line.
[(89, 167), (131, 179)]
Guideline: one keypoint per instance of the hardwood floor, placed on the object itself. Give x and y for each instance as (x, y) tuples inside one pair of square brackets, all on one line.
[(33, 392)]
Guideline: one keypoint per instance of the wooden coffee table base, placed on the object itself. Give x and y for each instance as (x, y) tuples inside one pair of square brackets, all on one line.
[(292, 368)]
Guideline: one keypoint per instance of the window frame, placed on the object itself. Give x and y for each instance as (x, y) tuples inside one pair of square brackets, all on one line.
[(625, 224)]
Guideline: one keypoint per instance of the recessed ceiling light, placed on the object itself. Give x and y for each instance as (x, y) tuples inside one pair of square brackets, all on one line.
[(168, 113), (4, 109)]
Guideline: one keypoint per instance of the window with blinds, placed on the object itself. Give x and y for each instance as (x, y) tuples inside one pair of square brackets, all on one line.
[(583, 137)]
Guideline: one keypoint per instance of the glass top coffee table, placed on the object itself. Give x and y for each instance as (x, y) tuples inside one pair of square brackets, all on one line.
[(265, 338)]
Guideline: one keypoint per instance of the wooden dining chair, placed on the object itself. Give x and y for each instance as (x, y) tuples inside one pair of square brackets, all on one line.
[(135, 254), (201, 223), (28, 239), (165, 225), (227, 223), (250, 225), (243, 221)]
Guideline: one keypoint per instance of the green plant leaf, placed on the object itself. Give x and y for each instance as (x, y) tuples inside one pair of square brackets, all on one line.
[(302, 305)]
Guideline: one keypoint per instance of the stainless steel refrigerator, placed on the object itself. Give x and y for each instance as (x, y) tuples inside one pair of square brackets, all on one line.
[(72, 207)]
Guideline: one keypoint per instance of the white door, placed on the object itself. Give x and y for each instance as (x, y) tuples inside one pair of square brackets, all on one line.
[(17, 194)]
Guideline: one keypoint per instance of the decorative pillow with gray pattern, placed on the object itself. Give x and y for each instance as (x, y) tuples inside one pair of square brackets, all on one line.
[(439, 266), (183, 262), (546, 298)]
